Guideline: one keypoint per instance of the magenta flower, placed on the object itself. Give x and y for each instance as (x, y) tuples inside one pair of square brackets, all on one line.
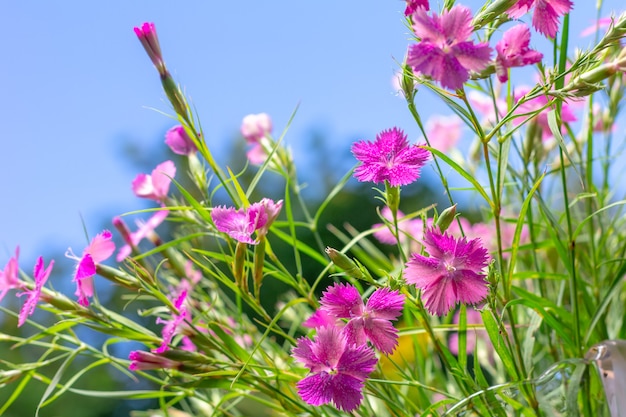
[(444, 53), (40, 276), (145, 361), (147, 35), (172, 325), (389, 158), (179, 141), (513, 51), (241, 224), (99, 250), (546, 14), (453, 273), (322, 318), (144, 230), (9, 278), (338, 369), (157, 185), (370, 321), (413, 5)]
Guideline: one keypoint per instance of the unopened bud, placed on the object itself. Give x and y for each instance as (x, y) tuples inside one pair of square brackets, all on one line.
[(342, 261), (446, 218), (174, 95)]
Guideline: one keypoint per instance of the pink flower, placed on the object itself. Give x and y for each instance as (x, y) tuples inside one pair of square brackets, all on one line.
[(453, 273), (603, 22), (338, 369), (541, 118), (241, 224), (322, 318), (546, 14), (32, 296), (172, 325), (179, 141), (389, 158), (9, 278), (145, 361), (413, 228), (443, 132), (483, 104), (99, 250), (366, 321), (513, 51), (256, 126), (157, 185), (413, 5), (147, 35), (143, 230), (444, 53)]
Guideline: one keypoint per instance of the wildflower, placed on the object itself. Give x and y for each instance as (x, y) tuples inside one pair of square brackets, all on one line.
[(322, 318), (444, 53), (538, 105), (370, 321), (389, 158), (338, 369), (443, 132), (144, 229), (546, 14), (40, 276), (413, 5), (241, 224), (513, 51), (453, 273), (473, 337), (172, 325), (412, 227), (147, 35), (256, 126), (179, 141), (99, 250), (9, 276), (157, 185), (145, 361)]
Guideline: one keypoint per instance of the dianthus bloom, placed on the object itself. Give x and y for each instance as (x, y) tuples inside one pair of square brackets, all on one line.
[(444, 53), (147, 35), (99, 250), (179, 141), (256, 126), (538, 105), (513, 51), (9, 278), (444, 132), (413, 5), (389, 158), (157, 185), (172, 325), (338, 369), (241, 224), (144, 229), (453, 273), (144, 361), (366, 321), (546, 14), (40, 276)]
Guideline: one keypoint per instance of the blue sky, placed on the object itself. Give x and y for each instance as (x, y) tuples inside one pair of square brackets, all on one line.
[(77, 84)]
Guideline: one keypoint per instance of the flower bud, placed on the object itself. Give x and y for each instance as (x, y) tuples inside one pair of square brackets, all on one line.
[(179, 141), (147, 35), (344, 262), (446, 218), (144, 361)]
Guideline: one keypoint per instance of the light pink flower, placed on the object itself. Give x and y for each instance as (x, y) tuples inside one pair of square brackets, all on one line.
[(472, 335), (546, 15), (541, 118), (99, 250), (256, 126), (443, 132), (484, 105), (371, 321), (171, 326), (412, 227), (600, 23), (40, 276), (157, 185), (413, 5), (513, 51), (338, 369), (144, 230), (453, 273), (389, 158), (9, 278), (179, 141), (241, 224), (147, 35), (444, 52)]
